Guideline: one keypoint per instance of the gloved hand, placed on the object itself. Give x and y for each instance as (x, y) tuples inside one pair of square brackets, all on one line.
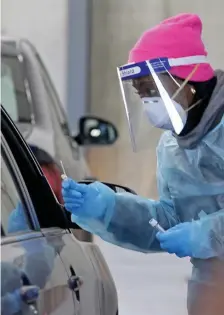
[(11, 303), (17, 220), (178, 240), (94, 201)]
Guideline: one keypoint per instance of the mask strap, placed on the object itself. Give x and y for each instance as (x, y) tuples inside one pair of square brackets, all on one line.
[(172, 77), (192, 106), (185, 82)]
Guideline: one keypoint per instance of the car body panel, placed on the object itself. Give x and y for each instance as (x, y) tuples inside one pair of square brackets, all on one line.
[(41, 264), (90, 265)]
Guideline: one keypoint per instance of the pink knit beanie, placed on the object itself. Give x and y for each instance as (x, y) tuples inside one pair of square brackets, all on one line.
[(176, 37)]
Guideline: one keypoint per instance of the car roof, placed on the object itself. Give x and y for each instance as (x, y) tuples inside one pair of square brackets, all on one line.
[(13, 46), (10, 46)]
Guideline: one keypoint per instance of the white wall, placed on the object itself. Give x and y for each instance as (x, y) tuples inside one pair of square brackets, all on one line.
[(43, 22), (211, 13)]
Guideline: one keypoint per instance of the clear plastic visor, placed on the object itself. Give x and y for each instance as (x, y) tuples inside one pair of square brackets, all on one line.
[(153, 102)]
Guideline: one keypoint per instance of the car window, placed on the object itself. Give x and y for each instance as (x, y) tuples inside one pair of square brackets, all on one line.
[(56, 107), (52, 93), (13, 216), (14, 89), (8, 92)]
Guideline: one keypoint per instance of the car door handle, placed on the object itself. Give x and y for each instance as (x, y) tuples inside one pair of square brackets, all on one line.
[(29, 293), (74, 283)]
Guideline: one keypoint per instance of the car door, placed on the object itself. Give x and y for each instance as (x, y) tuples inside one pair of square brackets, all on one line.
[(34, 279), (97, 293)]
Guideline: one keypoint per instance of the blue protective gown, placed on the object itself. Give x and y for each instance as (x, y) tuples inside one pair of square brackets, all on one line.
[(190, 174), (191, 187)]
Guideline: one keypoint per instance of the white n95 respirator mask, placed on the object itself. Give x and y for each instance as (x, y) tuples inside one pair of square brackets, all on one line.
[(157, 114)]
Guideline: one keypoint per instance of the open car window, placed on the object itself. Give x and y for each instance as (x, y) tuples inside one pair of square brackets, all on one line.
[(14, 214)]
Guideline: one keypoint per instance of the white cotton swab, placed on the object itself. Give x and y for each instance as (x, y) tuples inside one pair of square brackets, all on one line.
[(63, 175)]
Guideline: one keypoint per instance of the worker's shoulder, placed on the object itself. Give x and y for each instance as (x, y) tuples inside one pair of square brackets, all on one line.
[(166, 140)]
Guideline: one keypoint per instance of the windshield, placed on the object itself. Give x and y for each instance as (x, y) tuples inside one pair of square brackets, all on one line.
[(14, 96)]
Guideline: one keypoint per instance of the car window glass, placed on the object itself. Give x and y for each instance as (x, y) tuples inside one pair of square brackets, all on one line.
[(52, 93), (14, 89), (13, 217), (57, 115), (8, 92)]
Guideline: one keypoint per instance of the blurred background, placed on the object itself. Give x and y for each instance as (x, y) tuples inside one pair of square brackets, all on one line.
[(81, 43)]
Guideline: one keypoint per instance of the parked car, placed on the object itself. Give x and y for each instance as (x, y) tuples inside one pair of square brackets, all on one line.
[(44, 268), (30, 98)]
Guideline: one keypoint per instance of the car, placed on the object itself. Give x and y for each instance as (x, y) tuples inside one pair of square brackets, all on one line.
[(29, 96), (44, 268)]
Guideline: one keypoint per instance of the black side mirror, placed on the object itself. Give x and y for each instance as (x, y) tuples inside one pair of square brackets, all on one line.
[(96, 131), (116, 188)]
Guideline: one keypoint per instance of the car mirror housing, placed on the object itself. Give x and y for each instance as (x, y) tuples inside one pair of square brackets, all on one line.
[(96, 131)]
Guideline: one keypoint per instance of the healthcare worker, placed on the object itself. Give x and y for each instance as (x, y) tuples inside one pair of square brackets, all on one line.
[(169, 84)]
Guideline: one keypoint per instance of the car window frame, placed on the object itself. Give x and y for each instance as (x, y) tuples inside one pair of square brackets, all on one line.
[(33, 177), (21, 188), (10, 52)]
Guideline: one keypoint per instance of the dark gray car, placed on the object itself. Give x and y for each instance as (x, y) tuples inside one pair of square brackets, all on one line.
[(44, 269)]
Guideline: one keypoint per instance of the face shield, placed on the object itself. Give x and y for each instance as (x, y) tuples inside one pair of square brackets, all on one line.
[(154, 99)]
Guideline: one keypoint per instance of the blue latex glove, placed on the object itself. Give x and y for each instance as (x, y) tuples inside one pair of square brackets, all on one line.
[(94, 201), (17, 220), (177, 240), (11, 303)]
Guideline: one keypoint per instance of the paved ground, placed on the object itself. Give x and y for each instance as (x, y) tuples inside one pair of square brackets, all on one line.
[(153, 284)]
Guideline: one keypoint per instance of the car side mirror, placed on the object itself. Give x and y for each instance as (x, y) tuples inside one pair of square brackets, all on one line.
[(96, 131), (115, 187)]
